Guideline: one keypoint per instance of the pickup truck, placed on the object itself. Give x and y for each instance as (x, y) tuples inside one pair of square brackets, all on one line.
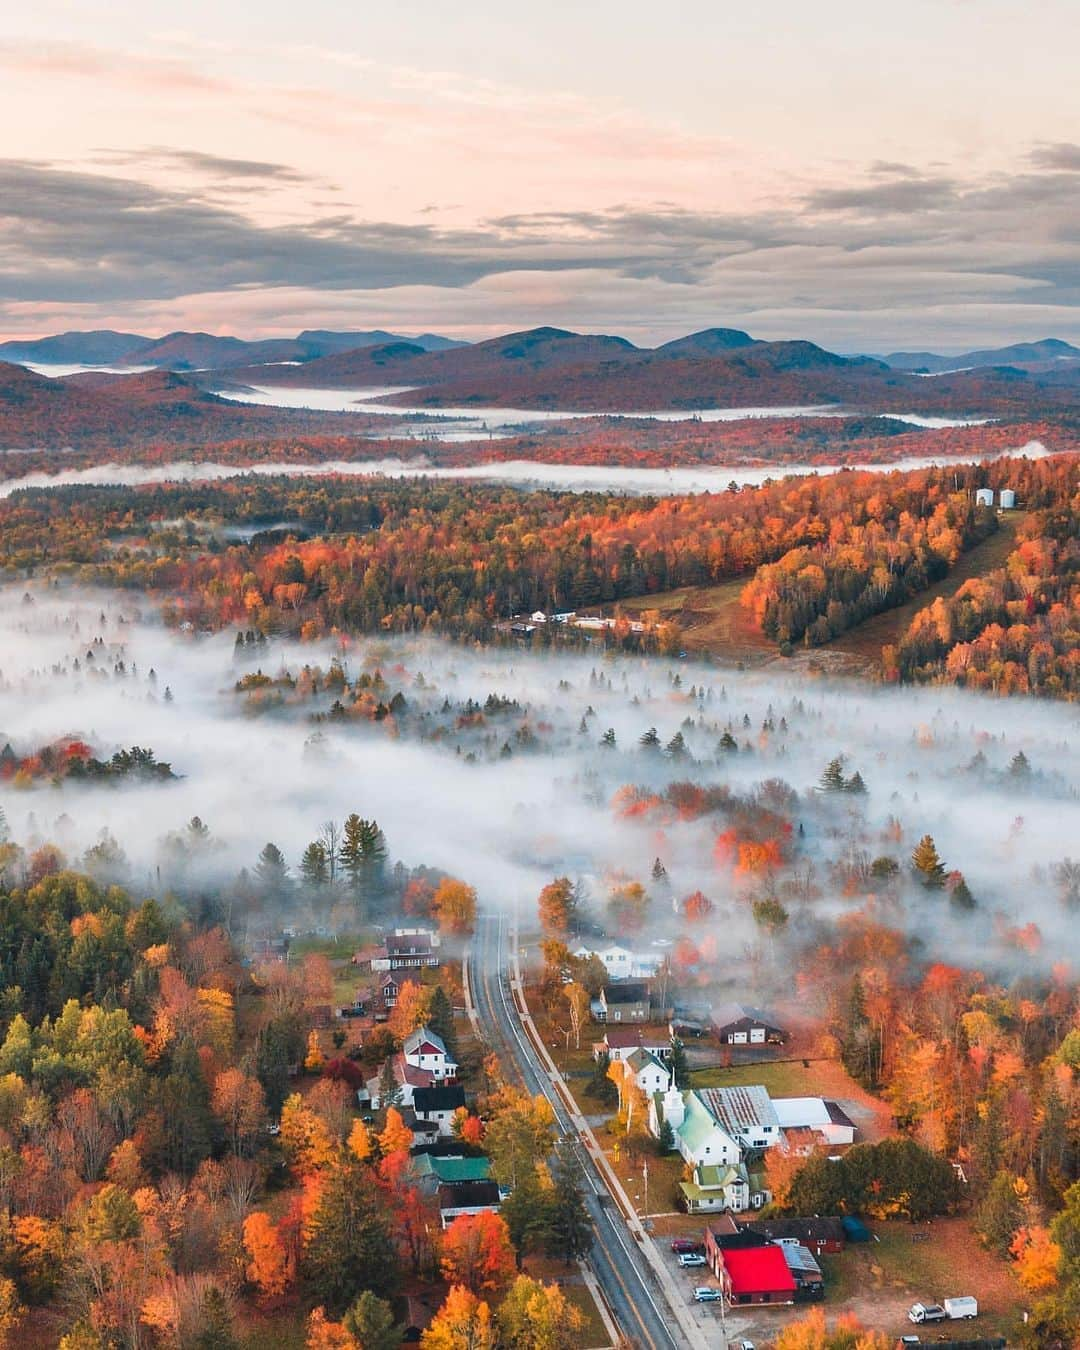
[(927, 1312)]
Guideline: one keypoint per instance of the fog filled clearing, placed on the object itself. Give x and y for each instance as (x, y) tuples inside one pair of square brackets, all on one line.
[(521, 473), (509, 795)]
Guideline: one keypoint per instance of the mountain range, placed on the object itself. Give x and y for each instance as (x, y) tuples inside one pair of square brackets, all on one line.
[(200, 351), (1034, 356), (552, 368)]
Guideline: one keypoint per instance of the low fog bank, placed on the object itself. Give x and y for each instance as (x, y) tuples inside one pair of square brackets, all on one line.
[(517, 787), (521, 473)]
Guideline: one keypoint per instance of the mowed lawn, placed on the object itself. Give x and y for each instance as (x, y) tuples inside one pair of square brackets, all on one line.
[(808, 1078)]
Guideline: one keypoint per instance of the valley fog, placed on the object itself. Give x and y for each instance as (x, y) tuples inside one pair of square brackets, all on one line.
[(492, 766), (518, 473)]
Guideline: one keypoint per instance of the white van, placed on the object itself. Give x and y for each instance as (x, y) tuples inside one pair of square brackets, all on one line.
[(963, 1307)]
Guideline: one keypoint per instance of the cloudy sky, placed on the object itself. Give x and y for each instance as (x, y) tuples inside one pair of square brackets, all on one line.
[(868, 176)]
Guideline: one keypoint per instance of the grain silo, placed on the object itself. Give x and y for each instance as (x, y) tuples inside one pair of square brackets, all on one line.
[(1007, 499), (984, 497)]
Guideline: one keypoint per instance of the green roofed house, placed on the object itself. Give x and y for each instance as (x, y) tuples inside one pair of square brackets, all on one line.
[(718, 1187), (433, 1172)]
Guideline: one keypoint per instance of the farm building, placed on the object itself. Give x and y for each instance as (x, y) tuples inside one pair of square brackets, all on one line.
[(736, 1024)]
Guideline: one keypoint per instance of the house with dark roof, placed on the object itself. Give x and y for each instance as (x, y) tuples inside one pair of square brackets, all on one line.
[(625, 1002), (438, 1104), (738, 1024), (467, 1197), (407, 948), (621, 1041)]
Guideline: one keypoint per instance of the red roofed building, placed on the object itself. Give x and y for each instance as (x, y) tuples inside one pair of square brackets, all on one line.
[(754, 1274)]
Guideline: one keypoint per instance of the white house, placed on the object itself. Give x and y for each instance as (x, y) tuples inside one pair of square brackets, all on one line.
[(815, 1113), (650, 1074), (438, 1105), (699, 1138), (717, 1125), (718, 1187), (621, 963), (621, 1041), (425, 1049), (746, 1113)]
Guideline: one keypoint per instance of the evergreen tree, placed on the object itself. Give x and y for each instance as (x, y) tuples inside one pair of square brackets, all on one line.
[(1019, 766), (927, 864), (569, 1227), (389, 1087), (665, 1140), (859, 1048), (363, 860), (350, 1248), (855, 785), (272, 872), (279, 1046), (832, 780), (999, 1215), (649, 740), (678, 1065), (187, 1118), (216, 1332), (371, 1321), (314, 865), (527, 1212), (728, 744), (607, 740), (960, 895), (441, 1019)]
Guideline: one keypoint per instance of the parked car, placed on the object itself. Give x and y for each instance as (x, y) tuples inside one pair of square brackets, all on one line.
[(682, 1246), (909, 1340), (962, 1307), (705, 1293), (688, 1259), (927, 1312), (745, 1345)]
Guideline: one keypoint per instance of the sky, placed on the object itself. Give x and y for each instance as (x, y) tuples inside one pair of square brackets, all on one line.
[(869, 177)]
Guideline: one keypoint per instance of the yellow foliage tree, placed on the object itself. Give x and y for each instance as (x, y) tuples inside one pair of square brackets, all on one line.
[(536, 1316), (323, 1334), (464, 1322), (307, 1142), (396, 1135), (360, 1141), (314, 1059)]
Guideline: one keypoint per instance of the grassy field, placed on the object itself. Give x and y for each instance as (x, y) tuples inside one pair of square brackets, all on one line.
[(712, 620), (808, 1078)]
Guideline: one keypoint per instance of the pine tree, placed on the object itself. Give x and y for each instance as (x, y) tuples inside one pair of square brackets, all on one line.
[(998, 1216), (927, 863), (314, 866), (371, 1321), (349, 1248), (855, 785), (569, 1227), (272, 872), (441, 1019), (832, 780), (216, 1332), (187, 1117), (960, 895), (678, 1064), (649, 740), (389, 1087)]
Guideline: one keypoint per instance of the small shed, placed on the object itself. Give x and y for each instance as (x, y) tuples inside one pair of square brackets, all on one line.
[(1007, 499), (984, 497)]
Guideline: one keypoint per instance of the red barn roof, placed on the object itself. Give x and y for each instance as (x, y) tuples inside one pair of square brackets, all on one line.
[(758, 1270)]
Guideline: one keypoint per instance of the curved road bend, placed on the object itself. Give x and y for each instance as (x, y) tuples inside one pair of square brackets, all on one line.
[(620, 1269)]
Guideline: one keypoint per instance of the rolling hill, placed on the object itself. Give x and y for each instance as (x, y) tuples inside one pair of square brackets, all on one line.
[(1033, 356)]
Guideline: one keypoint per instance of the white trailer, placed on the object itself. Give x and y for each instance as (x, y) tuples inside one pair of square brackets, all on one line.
[(964, 1307)]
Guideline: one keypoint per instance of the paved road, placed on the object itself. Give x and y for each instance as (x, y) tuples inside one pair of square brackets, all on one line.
[(620, 1269)]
